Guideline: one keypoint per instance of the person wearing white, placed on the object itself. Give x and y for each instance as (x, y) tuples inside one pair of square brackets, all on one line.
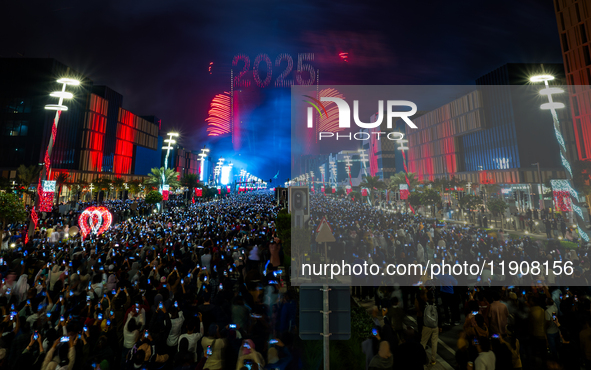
[(486, 359), (175, 330), (192, 337), (131, 332)]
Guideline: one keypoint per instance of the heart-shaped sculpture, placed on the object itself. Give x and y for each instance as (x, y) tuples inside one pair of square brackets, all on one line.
[(94, 220)]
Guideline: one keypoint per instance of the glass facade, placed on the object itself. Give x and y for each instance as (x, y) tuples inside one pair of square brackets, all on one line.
[(91, 139)]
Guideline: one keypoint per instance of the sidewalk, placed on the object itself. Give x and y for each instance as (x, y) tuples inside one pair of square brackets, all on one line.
[(521, 234), (491, 224)]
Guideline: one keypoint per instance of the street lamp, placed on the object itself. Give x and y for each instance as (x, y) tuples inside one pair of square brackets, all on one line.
[(46, 170), (169, 146), (552, 106), (202, 156)]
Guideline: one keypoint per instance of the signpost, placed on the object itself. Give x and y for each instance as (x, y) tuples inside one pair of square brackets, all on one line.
[(316, 317)]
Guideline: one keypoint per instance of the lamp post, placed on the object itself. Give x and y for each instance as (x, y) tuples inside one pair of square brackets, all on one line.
[(46, 170), (363, 156), (169, 147), (552, 106), (202, 156), (170, 141)]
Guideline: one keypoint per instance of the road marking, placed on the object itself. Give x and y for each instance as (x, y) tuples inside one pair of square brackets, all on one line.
[(446, 347)]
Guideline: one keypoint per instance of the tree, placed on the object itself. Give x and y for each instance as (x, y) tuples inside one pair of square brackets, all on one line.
[(190, 181), (101, 184), (400, 178), (160, 177), (497, 207), (415, 199), (60, 179), (430, 197), (11, 210), (119, 185), (4, 184), (153, 197), (470, 202), (373, 183), (27, 176), (135, 187)]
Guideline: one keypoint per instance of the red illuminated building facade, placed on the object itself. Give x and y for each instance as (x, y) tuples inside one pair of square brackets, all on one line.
[(574, 26), (492, 134), (96, 136)]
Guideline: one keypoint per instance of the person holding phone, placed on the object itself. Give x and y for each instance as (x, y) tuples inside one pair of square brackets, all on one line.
[(176, 320), (192, 335), (213, 347), (486, 359), (552, 332), (248, 353), (133, 328), (65, 356), (34, 356)]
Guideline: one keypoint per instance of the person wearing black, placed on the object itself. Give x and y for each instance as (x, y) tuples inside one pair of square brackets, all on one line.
[(410, 354)]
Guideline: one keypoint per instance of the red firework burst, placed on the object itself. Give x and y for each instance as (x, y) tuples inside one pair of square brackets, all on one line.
[(330, 122), (218, 121)]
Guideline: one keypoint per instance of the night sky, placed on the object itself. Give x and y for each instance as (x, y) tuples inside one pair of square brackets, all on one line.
[(157, 53)]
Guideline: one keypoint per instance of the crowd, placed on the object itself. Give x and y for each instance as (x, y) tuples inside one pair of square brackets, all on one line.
[(541, 321), (202, 287), (197, 287)]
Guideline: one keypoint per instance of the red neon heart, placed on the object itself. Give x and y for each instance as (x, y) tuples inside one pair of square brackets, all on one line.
[(94, 220)]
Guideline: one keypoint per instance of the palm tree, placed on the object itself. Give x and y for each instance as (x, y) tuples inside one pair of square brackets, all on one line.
[(399, 179), (190, 181), (28, 175), (135, 186), (118, 184), (160, 176), (82, 187), (101, 184), (373, 183), (60, 179)]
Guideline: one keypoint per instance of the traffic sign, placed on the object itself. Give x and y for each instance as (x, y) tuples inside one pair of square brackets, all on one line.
[(324, 232)]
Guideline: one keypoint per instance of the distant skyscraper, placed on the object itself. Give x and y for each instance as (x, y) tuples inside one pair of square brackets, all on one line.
[(574, 25)]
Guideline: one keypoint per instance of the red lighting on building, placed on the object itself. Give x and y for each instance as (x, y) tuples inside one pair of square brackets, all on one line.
[(344, 56)]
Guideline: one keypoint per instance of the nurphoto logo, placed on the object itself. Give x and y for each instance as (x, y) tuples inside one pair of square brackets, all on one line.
[(345, 117)]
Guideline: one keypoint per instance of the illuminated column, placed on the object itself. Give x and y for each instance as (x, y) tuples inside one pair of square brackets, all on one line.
[(552, 106), (46, 170), (202, 156)]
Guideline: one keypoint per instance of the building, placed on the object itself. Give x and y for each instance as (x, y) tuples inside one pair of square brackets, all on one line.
[(182, 160), (494, 134), (380, 154), (96, 136), (574, 26)]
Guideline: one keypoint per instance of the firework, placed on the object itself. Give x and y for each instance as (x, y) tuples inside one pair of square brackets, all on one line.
[(330, 122), (219, 120)]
